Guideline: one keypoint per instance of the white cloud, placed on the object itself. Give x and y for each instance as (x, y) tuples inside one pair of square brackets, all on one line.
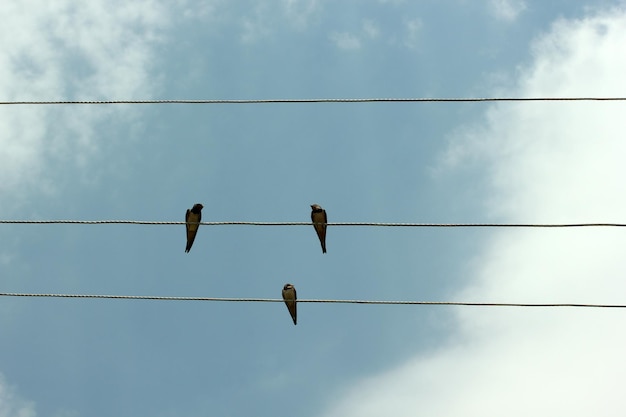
[(11, 405), (508, 10), (546, 162), (371, 29), (199, 9), (345, 40), (257, 24), (413, 28), (66, 50), (263, 20), (348, 40), (299, 12)]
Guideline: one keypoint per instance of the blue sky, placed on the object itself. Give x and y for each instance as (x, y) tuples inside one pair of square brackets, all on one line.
[(375, 162)]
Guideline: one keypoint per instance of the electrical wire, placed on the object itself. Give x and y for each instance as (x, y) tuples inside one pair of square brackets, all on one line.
[(370, 224), (278, 300), (316, 100)]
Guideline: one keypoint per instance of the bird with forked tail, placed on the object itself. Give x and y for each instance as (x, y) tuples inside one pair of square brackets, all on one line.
[(193, 217), (318, 217), (289, 295)]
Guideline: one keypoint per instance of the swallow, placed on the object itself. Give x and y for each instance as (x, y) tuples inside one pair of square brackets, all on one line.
[(318, 216), (289, 295), (192, 222)]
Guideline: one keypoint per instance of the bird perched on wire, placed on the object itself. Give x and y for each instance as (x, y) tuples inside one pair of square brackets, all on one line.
[(318, 216), (193, 217), (289, 295)]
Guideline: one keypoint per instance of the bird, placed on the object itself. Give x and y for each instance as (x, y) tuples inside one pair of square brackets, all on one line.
[(192, 222), (289, 295), (318, 216)]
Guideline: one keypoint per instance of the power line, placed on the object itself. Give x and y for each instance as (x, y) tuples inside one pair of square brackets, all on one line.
[(362, 224), (326, 301), (317, 100)]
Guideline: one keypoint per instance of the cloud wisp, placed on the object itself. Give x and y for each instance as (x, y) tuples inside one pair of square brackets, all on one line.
[(11, 404), (507, 10), (62, 51)]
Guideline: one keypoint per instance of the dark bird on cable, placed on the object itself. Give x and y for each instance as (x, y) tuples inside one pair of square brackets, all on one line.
[(193, 218), (289, 295), (318, 216)]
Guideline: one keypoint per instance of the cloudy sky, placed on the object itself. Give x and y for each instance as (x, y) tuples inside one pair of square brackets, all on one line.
[(548, 162)]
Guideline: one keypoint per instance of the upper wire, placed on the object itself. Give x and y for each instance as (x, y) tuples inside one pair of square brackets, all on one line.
[(315, 100)]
